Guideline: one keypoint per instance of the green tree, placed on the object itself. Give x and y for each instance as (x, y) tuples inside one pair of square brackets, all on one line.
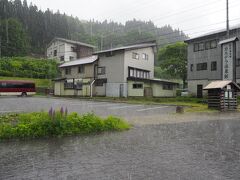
[(173, 59), (15, 41)]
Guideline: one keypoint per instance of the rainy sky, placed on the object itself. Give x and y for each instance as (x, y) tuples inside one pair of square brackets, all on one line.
[(194, 17)]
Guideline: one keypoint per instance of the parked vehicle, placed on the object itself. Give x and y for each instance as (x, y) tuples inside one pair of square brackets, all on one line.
[(17, 88), (184, 92)]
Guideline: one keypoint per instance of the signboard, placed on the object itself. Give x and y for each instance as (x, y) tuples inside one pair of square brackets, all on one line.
[(227, 50)]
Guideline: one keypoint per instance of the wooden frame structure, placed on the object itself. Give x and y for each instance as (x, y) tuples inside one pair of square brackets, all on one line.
[(222, 95)]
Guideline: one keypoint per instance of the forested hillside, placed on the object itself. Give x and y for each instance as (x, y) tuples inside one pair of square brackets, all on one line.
[(26, 30)]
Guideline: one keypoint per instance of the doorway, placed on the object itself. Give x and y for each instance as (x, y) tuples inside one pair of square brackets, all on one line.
[(199, 91)]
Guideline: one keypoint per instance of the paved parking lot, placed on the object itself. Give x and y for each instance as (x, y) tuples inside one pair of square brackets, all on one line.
[(30, 104)]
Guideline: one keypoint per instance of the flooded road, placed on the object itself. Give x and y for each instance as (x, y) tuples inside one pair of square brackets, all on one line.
[(193, 150)]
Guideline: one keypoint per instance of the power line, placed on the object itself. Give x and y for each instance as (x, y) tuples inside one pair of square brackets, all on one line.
[(178, 22)]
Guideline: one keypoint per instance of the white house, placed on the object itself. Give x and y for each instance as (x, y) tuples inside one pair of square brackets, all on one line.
[(65, 50)]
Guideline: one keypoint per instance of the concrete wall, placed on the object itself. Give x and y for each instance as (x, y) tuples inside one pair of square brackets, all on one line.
[(113, 89), (88, 72), (135, 92), (192, 86), (206, 76), (99, 90), (209, 56), (114, 67), (158, 91), (139, 63), (63, 49)]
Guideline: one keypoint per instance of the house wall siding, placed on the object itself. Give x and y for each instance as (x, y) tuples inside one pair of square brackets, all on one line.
[(63, 49), (139, 63), (206, 76), (88, 72)]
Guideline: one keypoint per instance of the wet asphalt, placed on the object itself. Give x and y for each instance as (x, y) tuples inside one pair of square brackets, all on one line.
[(208, 150), (31, 104), (198, 150)]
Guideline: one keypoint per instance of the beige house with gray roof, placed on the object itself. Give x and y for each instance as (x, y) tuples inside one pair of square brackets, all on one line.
[(119, 72)]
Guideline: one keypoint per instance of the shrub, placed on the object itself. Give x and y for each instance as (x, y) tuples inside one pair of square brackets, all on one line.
[(59, 123)]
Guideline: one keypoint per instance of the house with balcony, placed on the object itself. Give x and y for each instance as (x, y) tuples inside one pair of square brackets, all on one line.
[(64, 50), (119, 72)]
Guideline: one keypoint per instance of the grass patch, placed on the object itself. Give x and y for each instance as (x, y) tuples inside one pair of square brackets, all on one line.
[(38, 82), (43, 124)]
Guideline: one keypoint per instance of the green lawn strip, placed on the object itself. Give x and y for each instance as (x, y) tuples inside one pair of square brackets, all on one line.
[(39, 82), (43, 124)]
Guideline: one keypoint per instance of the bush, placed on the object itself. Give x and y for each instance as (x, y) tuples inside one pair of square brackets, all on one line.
[(43, 124)]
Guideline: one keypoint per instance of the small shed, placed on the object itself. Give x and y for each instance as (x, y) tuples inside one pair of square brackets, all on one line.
[(222, 95)]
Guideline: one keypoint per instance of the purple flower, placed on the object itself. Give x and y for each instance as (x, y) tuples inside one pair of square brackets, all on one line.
[(50, 112), (53, 115)]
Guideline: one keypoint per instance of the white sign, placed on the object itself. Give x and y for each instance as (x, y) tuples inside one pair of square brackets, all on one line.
[(227, 50)]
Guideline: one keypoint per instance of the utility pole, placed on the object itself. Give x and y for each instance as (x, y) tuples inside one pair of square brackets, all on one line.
[(227, 10), (101, 42)]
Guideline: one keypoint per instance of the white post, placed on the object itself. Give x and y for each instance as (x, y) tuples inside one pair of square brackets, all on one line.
[(91, 88)]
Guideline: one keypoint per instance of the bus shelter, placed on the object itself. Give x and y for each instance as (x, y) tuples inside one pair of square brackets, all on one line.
[(222, 95)]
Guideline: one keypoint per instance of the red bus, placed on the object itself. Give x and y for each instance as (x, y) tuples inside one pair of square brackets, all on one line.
[(17, 88)]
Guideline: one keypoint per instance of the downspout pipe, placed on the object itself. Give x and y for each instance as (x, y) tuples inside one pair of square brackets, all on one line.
[(91, 88)]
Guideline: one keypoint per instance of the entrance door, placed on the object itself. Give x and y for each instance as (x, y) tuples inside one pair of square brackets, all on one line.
[(199, 90), (121, 90)]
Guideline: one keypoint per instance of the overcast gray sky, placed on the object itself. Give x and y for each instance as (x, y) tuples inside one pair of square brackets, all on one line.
[(194, 17)]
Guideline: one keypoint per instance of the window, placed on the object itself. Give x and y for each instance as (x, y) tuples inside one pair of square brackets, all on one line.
[(207, 45), (69, 84), (213, 44), (195, 47), (201, 47), (62, 58), (167, 86), (55, 52), (144, 56), (131, 72), (138, 73), (201, 66), (81, 69), (79, 84), (213, 66), (135, 55), (73, 49), (100, 82), (238, 62), (71, 58), (101, 70), (67, 71), (137, 86), (191, 67)]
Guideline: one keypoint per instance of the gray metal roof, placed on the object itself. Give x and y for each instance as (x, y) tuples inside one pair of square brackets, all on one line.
[(152, 80), (228, 40), (136, 46), (86, 60), (72, 42), (219, 85), (213, 33)]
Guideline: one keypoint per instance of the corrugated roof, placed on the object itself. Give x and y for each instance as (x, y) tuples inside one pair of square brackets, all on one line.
[(71, 42), (151, 80), (228, 40), (136, 46), (219, 85), (86, 60), (213, 32)]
